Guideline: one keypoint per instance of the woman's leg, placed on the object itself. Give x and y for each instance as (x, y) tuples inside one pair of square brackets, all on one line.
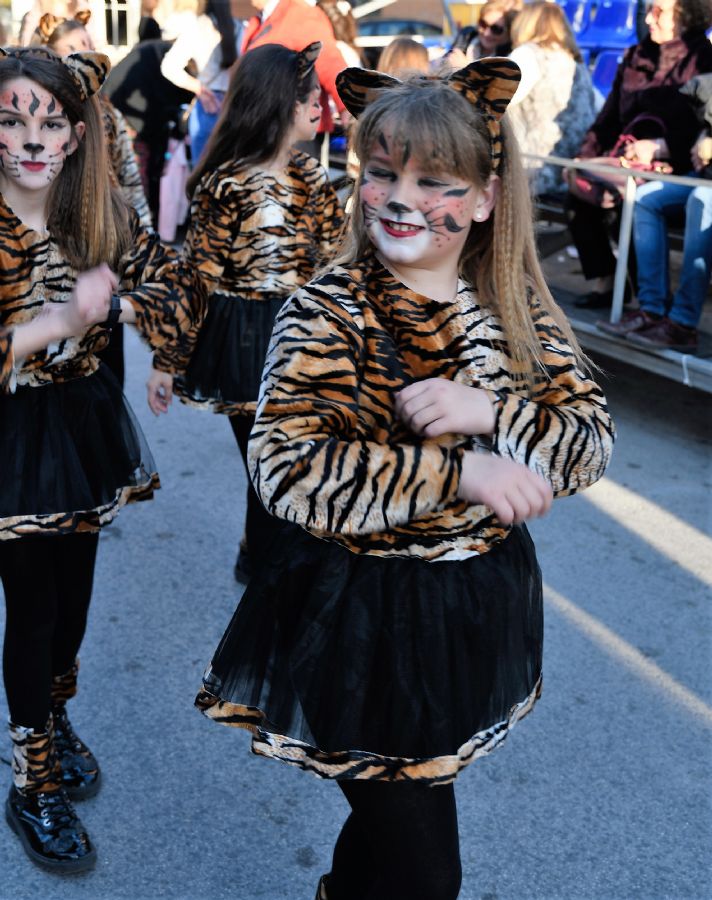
[(696, 259), (589, 229), (654, 202), (406, 834)]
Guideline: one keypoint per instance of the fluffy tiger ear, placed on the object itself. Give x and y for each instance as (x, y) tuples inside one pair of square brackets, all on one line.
[(359, 87), (489, 84), (83, 16), (89, 69), (48, 24), (306, 59)]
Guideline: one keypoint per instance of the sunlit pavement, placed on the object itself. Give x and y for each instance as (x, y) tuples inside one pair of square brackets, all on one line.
[(603, 792)]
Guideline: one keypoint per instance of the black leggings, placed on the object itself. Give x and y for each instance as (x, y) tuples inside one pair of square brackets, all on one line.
[(400, 842), (592, 230), (47, 583), (260, 526)]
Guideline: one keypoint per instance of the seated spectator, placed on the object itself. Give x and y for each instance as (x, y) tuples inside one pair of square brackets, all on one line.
[(554, 103), (403, 56), (646, 86), (492, 36), (662, 322)]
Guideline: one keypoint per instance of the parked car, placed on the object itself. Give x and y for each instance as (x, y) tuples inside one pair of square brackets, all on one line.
[(375, 33)]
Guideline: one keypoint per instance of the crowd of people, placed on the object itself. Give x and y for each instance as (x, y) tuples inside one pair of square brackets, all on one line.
[(403, 390)]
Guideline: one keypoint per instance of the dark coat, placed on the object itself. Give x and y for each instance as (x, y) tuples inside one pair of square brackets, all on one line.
[(648, 81)]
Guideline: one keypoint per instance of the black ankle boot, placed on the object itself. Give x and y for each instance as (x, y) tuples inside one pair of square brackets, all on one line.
[(51, 833), (38, 809), (81, 776)]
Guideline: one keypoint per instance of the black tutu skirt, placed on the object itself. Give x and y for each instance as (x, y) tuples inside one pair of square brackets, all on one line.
[(357, 666), (71, 454), (225, 369)]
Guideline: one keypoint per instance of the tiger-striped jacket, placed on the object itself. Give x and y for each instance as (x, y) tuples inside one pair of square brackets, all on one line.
[(164, 292), (328, 452), (253, 234)]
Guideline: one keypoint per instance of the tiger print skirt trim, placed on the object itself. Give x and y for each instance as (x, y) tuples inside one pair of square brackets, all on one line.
[(359, 666), (361, 764), (71, 456)]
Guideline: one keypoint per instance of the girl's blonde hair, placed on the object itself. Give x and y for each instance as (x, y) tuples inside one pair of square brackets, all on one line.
[(403, 55), (545, 24), (87, 217), (499, 257)]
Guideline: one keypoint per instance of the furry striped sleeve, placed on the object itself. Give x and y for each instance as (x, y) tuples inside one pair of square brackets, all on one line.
[(564, 430), (312, 457)]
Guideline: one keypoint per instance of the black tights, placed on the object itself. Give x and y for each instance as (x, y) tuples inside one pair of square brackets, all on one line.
[(400, 842), (260, 526), (47, 583)]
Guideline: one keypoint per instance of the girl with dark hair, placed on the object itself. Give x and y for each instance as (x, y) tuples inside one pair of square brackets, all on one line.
[(420, 401), (74, 262), (263, 216)]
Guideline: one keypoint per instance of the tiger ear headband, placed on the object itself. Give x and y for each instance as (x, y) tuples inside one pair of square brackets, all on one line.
[(50, 23), (306, 59), (488, 84), (88, 68)]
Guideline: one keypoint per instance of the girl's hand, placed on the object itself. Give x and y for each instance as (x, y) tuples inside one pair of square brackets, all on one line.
[(438, 406), (160, 391), (512, 491), (90, 300)]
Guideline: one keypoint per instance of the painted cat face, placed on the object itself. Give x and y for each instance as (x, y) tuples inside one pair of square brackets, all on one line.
[(35, 136), (412, 216)]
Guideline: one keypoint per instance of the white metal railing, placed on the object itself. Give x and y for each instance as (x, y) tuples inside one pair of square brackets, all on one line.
[(626, 225)]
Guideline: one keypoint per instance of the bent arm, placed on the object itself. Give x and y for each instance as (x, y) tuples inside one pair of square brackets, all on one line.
[(564, 431), (163, 297), (308, 457)]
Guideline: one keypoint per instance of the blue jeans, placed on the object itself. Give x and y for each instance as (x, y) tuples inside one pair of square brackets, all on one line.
[(200, 126), (654, 202)]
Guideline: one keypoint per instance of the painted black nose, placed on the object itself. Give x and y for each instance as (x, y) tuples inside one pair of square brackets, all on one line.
[(34, 148), (398, 208)]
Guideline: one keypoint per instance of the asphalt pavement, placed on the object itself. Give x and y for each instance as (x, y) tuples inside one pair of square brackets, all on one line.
[(602, 793)]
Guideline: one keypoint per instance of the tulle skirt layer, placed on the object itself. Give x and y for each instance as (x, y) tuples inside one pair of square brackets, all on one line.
[(71, 454), (226, 366), (356, 666)]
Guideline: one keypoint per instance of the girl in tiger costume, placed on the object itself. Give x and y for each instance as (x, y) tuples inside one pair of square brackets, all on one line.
[(263, 215), (420, 401), (74, 261), (66, 36)]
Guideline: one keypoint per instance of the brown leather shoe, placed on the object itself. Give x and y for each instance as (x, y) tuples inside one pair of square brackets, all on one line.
[(637, 320), (667, 335)]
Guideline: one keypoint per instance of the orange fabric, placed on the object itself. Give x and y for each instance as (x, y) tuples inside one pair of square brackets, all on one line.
[(294, 24)]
